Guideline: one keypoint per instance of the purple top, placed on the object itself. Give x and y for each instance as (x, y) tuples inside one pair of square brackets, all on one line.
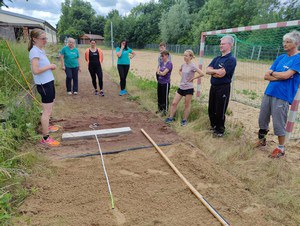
[(165, 79), (187, 73)]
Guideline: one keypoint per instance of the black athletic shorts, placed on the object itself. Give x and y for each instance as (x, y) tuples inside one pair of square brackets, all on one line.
[(183, 92), (47, 92)]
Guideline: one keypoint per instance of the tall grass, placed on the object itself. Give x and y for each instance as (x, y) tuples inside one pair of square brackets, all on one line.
[(275, 182), (18, 133)]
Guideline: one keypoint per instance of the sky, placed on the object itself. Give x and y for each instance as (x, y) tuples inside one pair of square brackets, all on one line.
[(49, 10)]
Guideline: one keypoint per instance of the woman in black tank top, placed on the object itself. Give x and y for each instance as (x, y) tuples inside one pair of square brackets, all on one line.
[(94, 57)]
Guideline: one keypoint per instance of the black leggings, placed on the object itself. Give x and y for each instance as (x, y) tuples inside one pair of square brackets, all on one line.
[(96, 70), (123, 71)]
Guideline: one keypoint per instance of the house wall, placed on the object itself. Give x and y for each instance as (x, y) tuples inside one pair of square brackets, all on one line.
[(8, 31)]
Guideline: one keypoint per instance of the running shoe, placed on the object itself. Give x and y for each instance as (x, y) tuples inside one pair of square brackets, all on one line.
[(96, 92), (123, 92), (183, 122), (169, 120), (69, 93), (101, 93), (218, 134), (53, 129), (260, 143), (277, 153), (50, 142), (212, 129), (75, 93)]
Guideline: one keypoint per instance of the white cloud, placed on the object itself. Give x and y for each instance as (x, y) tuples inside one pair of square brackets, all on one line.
[(50, 10)]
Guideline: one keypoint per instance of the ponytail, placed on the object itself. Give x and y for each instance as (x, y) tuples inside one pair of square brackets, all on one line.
[(35, 33)]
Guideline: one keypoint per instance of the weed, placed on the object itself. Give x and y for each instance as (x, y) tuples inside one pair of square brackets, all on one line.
[(250, 93), (17, 152), (133, 98), (275, 182), (5, 206)]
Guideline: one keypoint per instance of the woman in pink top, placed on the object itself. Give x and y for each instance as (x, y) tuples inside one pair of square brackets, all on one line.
[(186, 88)]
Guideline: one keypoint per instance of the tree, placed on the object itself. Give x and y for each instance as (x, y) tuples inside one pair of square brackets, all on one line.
[(116, 19), (76, 19), (217, 15), (145, 29), (291, 10), (175, 25), (98, 25)]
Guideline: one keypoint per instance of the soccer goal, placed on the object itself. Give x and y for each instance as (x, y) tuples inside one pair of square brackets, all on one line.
[(256, 47)]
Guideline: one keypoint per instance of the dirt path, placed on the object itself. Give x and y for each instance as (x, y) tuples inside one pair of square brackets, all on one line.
[(145, 189)]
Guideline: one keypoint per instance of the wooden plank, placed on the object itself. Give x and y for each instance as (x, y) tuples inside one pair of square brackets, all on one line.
[(99, 133)]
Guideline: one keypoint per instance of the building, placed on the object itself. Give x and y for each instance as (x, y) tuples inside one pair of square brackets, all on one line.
[(14, 26), (85, 39)]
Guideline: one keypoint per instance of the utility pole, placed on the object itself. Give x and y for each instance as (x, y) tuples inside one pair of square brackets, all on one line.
[(112, 44)]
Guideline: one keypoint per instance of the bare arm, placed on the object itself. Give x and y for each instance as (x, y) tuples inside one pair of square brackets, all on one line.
[(37, 70), (163, 73), (120, 52), (217, 73), (62, 62), (132, 55), (79, 67), (200, 74), (275, 76), (283, 75)]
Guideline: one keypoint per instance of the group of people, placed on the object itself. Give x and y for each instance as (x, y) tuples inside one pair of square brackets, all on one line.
[(221, 70), (70, 63), (283, 77)]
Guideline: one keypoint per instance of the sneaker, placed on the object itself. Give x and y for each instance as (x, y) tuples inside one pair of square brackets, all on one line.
[(212, 129), (123, 92), (50, 142), (169, 120), (101, 93), (69, 93), (260, 143), (276, 153), (53, 129), (96, 92), (75, 93), (183, 122), (218, 134)]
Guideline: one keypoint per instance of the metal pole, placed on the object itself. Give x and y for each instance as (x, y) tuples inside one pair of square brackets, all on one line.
[(252, 54), (112, 44), (259, 51)]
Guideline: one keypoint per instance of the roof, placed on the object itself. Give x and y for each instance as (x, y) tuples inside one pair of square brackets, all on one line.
[(27, 17), (91, 36)]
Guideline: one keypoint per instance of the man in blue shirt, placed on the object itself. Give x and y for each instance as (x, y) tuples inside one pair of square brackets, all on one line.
[(221, 70), (284, 80)]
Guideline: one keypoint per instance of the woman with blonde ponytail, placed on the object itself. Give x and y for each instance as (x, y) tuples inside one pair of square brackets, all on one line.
[(43, 77)]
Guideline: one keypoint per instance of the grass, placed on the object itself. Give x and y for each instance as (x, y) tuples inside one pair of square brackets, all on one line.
[(275, 182), (18, 154)]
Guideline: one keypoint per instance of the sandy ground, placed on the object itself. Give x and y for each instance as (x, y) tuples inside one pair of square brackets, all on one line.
[(145, 189)]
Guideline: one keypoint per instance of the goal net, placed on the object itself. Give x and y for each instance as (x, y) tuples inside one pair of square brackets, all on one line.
[(256, 48)]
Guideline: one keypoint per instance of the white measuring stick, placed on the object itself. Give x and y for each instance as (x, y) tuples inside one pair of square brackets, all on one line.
[(105, 173)]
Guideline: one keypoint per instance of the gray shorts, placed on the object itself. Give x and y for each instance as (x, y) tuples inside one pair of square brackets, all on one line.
[(278, 109)]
